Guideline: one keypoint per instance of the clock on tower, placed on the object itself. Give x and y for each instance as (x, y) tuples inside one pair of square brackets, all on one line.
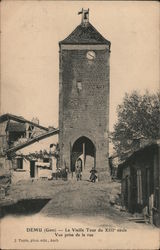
[(84, 99)]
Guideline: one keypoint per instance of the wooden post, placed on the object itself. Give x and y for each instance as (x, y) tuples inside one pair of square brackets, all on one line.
[(70, 167), (151, 205), (83, 156)]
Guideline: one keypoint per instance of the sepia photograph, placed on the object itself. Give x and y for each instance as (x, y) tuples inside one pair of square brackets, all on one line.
[(79, 125)]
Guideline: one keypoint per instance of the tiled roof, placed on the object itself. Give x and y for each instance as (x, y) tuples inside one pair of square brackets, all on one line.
[(153, 143), (85, 35), (19, 119), (33, 140)]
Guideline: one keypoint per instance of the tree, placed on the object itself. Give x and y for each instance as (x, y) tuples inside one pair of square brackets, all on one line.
[(138, 117)]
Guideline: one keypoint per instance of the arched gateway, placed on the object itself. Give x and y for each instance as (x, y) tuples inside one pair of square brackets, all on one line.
[(81, 149)]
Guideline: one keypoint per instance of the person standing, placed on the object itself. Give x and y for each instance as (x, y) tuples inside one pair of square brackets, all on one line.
[(93, 175), (78, 170)]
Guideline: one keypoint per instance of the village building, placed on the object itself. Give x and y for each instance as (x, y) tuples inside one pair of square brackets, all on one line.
[(25, 148), (16, 130), (114, 161), (84, 81), (140, 177), (33, 159)]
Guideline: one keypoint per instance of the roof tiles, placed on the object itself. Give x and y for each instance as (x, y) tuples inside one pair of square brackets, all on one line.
[(85, 35)]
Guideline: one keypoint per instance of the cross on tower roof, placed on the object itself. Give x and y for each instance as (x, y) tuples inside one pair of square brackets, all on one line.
[(85, 16)]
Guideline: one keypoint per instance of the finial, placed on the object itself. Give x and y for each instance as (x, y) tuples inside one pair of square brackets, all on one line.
[(85, 16)]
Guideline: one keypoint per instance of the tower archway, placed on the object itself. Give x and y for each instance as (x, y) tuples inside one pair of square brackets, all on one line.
[(83, 149)]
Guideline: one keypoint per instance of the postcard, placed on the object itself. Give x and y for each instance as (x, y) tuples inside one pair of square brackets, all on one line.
[(79, 140)]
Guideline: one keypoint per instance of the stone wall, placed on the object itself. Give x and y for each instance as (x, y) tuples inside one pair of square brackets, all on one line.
[(20, 174), (3, 137), (5, 165), (84, 102)]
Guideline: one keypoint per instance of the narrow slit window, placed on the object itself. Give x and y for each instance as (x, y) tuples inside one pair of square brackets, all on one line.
[(79, 86)]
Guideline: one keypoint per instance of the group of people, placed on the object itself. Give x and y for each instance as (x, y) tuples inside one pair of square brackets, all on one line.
[(63, 173), (78, 172)]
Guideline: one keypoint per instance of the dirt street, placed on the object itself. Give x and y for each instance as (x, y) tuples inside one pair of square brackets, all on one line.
[(88, 202), (79, 200), (67, 205)]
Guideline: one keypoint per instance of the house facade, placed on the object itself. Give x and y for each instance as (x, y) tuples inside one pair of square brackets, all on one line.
[(34, 158), (140, 176), (15, 130)]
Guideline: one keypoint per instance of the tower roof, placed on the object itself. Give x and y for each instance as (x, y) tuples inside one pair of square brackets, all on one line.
[(85, 34)]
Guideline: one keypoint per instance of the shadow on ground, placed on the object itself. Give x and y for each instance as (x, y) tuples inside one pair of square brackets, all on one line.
[(24, 207)]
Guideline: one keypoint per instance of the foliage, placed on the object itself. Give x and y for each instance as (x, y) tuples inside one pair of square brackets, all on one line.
[(138, 117), (43, 153)]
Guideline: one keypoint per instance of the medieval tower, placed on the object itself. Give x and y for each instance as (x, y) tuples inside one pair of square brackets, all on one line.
[(84, 98)]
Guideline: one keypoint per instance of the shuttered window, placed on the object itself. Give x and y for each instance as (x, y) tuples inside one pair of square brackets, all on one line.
[(20, 163)]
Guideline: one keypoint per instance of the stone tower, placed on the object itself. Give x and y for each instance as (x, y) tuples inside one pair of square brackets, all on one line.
[(84, 98)]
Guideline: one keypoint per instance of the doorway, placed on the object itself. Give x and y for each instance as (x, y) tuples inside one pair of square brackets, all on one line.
[(32, 169), (84, 149)]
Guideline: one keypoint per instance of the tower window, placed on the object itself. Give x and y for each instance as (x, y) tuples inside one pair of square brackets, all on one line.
[(79, 86)]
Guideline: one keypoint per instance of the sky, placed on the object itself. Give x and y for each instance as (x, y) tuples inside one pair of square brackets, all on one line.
[(31, 30)]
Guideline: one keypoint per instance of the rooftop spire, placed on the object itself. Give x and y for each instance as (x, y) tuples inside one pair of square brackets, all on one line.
[(85, 17)]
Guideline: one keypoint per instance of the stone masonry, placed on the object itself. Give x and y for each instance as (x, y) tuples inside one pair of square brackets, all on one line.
[(84, 94)]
